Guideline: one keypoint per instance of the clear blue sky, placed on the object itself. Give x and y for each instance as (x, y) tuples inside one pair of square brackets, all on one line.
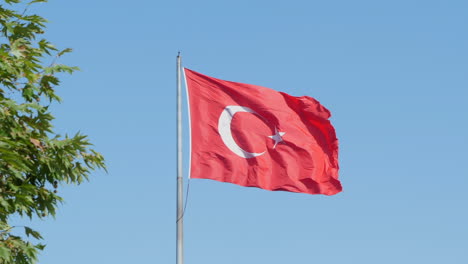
[(393, 73)]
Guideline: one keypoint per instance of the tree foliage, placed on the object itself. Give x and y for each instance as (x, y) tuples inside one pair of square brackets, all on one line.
[(33, 159)]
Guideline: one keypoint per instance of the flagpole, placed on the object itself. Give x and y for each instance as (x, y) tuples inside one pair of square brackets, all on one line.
[(180, 220)]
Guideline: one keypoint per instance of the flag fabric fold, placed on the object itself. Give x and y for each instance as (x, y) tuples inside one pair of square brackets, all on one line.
[(257, 137)]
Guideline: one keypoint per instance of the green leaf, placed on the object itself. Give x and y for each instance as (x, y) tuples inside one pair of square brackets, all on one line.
[(4, 252), (37, 1), (33, 233), (40, 246), (68, 50)]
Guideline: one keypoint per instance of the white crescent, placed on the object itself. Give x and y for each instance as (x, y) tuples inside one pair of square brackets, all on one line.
[(224, 129)]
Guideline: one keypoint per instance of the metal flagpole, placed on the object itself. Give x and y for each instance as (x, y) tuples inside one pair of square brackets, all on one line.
[(180, 220)]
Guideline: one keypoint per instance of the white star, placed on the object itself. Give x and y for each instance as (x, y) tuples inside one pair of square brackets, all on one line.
[(277, 137)]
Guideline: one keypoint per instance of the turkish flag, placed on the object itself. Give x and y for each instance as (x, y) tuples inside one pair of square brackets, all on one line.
[(254, 136)]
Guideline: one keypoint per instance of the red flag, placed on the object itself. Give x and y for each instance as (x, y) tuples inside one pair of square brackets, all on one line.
[(254, 136)]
